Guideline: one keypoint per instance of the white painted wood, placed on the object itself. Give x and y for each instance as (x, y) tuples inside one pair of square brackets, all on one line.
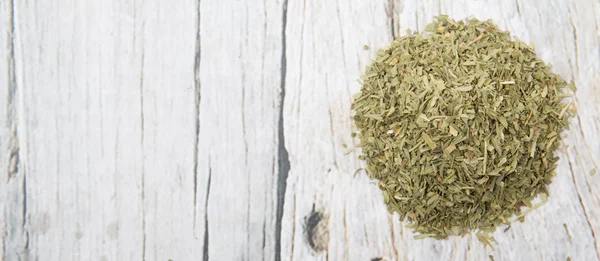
[(154, 130), (240, 83), (13, 235)]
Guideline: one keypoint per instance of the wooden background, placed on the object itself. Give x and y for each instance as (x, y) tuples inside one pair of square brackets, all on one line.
[(214, 130)]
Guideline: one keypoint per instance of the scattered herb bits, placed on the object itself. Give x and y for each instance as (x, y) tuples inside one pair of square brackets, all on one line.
[(460, 124), (567, 229)]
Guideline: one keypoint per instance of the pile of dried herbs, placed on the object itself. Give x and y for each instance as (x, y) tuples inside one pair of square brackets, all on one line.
[(460, 125)]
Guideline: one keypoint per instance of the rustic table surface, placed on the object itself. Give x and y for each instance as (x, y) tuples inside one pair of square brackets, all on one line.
[(214, 130)]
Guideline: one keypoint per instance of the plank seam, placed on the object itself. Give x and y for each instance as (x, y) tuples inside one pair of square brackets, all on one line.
[(283, 158), (206, 236), (197, 101), (390, 14)]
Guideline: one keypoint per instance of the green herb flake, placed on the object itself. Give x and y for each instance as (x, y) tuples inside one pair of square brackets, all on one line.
[(567, 230)]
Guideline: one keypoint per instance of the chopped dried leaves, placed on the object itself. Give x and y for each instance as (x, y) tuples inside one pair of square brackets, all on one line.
[(460, 125)]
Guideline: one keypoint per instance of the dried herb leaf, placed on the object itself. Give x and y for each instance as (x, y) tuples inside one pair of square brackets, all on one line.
[(567, 229)]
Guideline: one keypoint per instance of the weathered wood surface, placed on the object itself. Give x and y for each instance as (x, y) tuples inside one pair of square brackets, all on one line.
[(197, 130)]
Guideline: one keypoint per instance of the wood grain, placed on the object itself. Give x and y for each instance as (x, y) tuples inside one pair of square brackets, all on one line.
[(13, 204), (215, 130), (240, 84)]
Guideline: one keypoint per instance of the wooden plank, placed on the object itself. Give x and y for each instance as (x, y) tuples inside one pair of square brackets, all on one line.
[(108, 129), (126, 173), (80, 129), (13, 231), (240, 82), (169, 129)]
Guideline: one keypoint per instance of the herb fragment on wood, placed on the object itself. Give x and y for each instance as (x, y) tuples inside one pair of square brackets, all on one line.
[(567, 229)]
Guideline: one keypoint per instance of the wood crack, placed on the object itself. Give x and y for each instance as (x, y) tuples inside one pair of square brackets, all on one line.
[(390, 14), (197, 100), (573, 70), (468, 248), (393, 234), (143, 181), (335, 163), (244, 132), (585, 212), (586, 144), (283, 158), (264, 239), (14, 168), (575, 41), (293, 230), (24, 225), (3, 239), (346, 254), (206, 236), (11, 117)]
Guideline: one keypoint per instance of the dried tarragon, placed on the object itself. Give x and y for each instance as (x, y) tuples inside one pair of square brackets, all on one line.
[(460, 124)]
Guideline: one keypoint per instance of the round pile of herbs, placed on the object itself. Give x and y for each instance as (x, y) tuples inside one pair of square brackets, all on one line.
[(460, 125)]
